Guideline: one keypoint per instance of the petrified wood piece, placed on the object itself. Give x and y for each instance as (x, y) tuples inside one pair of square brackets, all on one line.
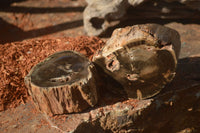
[(63, 83), (99, 14), (142, 58)]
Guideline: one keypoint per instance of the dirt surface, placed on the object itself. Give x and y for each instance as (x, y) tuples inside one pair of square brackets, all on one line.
[(32, 30), (28, 19)]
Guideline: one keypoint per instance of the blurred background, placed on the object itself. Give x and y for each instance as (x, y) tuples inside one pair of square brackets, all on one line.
[(27, 19)]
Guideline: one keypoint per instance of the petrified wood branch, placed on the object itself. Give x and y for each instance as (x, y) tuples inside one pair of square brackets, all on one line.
[(142, 58), (65, 82)]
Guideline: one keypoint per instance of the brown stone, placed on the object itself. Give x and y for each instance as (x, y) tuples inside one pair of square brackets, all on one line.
[(63, 83), (142, 58)]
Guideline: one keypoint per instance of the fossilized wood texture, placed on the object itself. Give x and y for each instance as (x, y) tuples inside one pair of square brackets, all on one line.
[(65, 82), (171, 112), (142, 58), (99, 14), (116, 118)]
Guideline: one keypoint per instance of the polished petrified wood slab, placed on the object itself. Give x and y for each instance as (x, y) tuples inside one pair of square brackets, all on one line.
[(65, 82), (142, 58)]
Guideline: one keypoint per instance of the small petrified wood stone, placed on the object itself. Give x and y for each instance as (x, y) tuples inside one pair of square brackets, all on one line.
[(65, 82), (142, 58)]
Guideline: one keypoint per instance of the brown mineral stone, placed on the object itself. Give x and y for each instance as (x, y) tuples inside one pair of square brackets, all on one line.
[(142, 58), (63, 83)]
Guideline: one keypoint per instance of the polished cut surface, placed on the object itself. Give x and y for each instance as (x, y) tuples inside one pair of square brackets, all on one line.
[(142, 58), (64, 82), (65, 67)]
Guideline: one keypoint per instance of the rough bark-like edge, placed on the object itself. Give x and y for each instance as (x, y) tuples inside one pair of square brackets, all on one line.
[(166, 39), (87, 88)]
